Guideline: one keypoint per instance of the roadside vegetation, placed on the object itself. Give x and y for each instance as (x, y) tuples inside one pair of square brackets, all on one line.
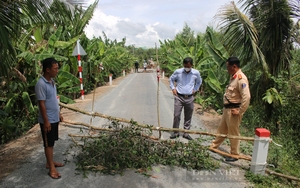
[(265, 35)]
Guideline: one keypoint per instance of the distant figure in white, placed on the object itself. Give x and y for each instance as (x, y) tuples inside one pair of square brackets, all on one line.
[(145, 65)]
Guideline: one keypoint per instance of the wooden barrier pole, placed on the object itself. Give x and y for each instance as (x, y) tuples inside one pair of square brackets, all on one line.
[(154, 138), (156, 128)]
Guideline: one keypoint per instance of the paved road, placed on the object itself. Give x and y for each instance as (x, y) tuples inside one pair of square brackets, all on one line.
[(134, 97)]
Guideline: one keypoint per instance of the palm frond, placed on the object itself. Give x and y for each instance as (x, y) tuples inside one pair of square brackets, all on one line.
[(240, 35)]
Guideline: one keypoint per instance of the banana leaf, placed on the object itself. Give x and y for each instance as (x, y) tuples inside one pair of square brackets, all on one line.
[(66, 100), (213, 82), (10, 103), (28, 56), (27, 102), (40, 57)]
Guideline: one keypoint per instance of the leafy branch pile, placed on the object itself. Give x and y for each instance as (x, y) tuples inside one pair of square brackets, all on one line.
[(132, 147)]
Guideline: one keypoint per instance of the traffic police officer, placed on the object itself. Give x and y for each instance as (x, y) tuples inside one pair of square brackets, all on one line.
[(236, 101)]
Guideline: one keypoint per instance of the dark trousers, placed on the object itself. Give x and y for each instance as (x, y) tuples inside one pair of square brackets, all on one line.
[(188, 105)]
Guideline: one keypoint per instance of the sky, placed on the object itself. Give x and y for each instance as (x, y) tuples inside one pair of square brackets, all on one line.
[(145, 22)]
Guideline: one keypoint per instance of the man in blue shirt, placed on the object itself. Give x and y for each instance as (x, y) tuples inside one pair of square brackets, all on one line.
[(49, 113), (188, 81)]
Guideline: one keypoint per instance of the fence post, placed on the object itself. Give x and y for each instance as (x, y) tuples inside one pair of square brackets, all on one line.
[(260, 151), (110, 79)]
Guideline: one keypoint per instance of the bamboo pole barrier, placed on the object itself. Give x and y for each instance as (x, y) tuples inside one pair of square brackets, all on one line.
[(282, 175), (157, 105), (156, 128), (157, 96), (230, 155), (155, 139), (67, 123)]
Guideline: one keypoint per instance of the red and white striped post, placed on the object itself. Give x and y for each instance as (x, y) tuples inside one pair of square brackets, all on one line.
[(80, 77), (79, 51), (158, 72)]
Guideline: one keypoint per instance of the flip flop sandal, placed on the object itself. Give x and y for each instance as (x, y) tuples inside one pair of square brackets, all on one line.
[(54, 175), (58, 165)]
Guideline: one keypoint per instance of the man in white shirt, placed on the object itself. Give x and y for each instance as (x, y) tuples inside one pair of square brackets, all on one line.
[(188, 81)]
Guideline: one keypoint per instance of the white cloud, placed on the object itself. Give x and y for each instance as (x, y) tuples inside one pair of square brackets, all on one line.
[(144, 23), (138, 34)]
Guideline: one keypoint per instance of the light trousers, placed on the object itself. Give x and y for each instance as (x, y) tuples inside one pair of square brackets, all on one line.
[(229, 125)]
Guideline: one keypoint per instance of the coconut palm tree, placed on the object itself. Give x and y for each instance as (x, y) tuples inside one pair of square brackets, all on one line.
[(262, 37), (11, 13), (262, 34)]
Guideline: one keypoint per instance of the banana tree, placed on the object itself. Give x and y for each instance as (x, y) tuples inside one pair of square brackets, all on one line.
[(112, 54)]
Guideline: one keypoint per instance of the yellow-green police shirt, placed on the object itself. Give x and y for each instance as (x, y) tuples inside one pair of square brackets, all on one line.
[(237, 91)]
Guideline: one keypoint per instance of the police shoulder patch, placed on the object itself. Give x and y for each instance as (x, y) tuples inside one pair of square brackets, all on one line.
[(240, 76), (244, 85)]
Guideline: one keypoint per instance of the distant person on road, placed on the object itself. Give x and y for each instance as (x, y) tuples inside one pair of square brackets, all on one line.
[(145, 65), (236, 101), (49, 112), (136, 65), (188, 81)]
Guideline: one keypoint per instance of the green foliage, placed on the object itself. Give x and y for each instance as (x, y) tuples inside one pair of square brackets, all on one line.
[(261, 181), (272, 96), (186, 36), (246, 147), (129, 146), (14, 125), (208, 102)]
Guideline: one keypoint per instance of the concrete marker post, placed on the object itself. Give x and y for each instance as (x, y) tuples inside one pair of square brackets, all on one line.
[(110, 79), (123, 73), (260, 151), (163, 74)]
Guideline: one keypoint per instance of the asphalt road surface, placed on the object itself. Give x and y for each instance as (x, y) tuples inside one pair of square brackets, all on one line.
[(135, 97)]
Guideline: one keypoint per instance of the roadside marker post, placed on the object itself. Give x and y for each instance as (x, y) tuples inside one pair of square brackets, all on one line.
[(110, 79), (79, 51), (123, 73), (158, 72), (163, 74), (260, 151)]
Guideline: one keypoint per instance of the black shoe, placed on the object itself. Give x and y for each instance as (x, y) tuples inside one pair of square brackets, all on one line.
[(187, 136), (230, 159), (174, 135)]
